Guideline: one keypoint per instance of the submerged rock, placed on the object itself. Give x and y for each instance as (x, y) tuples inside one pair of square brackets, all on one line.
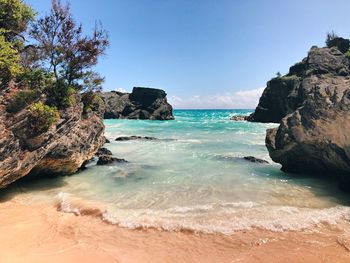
[(240, 159), (239, 118), (103, 151), (132, 138), (108, 159), (254, 159), (61, 150), (105, 156), (142, 103)]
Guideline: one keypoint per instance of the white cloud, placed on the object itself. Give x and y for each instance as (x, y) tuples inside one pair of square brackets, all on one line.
[(121, 90), (243, 99)]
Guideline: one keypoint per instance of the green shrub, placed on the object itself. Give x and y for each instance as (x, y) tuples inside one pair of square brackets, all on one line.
[(9, 60), (37, 79), (22, 99), (41, 117), (347, 54), (61, 95), (92, 102)]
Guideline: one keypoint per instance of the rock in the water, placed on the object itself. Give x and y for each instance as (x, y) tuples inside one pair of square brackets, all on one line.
[(132, 138), (142, 103), (107, 141), (105, 156), (254, 159), (103, 151), (284, 95), (61, 150), (239, 118), (313, 135), (108, 159)]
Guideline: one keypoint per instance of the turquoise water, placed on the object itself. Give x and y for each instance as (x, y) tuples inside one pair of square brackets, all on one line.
[(194, 179)]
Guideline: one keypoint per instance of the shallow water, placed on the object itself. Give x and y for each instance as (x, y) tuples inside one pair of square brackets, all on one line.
[(194, 179)]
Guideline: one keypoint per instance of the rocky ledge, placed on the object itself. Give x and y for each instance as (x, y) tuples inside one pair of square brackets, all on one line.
[(141, 103), (312, 104), (61, 150)]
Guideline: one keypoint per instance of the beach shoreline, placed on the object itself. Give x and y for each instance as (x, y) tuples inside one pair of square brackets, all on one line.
[(40, 233)]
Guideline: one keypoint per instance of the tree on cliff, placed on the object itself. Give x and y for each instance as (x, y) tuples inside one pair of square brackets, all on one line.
[(14, 18), (66, 51)]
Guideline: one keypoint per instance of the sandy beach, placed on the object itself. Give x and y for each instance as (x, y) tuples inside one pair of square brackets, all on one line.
[(43, 234)]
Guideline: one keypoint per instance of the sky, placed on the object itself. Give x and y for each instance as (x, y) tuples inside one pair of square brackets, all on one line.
[(206, 53)]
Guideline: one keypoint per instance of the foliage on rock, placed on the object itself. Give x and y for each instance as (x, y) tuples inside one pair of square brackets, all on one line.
[(14, 18), (9, 60), (22, 99), (41, 117), (92, 102), (36, 78)]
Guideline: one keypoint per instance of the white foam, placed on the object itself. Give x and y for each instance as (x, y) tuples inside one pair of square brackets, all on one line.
[(64, 205), (224, 218), (280, 219)]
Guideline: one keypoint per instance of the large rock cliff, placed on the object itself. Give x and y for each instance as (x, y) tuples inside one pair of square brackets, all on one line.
[(312, 104), (142, 103), (283, 95), (61, 150)]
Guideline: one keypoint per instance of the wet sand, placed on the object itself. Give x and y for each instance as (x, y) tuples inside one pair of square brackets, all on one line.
[(43, 234)]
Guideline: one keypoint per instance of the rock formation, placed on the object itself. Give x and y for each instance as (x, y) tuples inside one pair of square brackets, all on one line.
[(239, 118), (315, 138), (255, 160), (133, 138), (62, 149), (312, 104), (283, 95), (105, 156), (142, 103)]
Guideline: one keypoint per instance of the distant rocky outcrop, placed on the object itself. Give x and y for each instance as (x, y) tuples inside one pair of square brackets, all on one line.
[(61, 150), (312, 104), (141, 103)]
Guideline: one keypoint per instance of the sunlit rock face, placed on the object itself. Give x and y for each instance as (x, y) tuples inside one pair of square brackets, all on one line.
[(61, 150)]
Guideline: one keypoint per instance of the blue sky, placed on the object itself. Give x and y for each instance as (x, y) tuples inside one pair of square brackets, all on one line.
[(206, 53)]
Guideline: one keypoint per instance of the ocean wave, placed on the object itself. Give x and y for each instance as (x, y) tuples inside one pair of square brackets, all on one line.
[(79, 207), (192, 141), (225, 218)]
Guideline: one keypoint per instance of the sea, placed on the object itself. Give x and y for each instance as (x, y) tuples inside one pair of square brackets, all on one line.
[(193, 178)]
